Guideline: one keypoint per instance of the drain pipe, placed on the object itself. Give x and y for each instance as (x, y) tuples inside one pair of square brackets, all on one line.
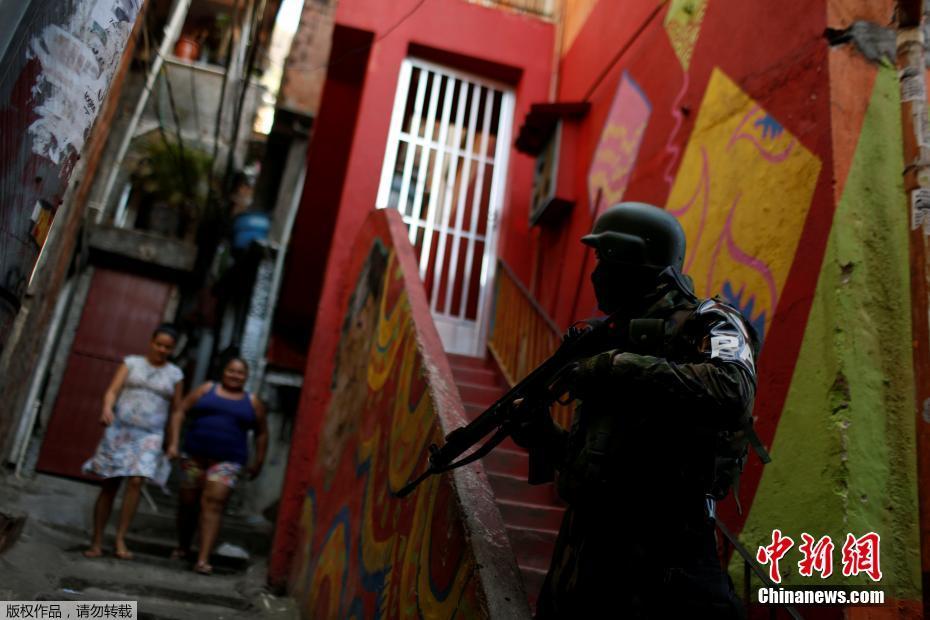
[(916, 144), (257, 379)]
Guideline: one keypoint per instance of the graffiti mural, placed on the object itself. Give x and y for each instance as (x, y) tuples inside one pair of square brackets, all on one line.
[(683, 24), (57, 70), (619, 144), (362, 552), (742, 195)]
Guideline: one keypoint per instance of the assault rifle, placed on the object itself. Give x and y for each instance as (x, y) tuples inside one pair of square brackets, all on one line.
[(540, 389)]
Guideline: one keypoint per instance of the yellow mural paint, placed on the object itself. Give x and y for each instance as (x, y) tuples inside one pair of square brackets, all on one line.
[(444, 604), (379, 555), (403, 578), (411, 418), (326, 588), (386, 345), (305, 545), (683, 24), (742, 195), (376, 549)]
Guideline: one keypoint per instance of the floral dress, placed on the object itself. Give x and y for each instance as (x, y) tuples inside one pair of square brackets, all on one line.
[(133, 444)]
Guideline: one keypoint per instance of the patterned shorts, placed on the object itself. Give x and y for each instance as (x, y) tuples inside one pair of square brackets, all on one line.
[(197, 472)]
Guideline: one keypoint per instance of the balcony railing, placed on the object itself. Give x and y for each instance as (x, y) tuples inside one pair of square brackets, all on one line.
[(522, 334), (541, 8)]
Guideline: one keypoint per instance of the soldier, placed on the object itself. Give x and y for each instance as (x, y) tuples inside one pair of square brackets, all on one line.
[(659, 436)]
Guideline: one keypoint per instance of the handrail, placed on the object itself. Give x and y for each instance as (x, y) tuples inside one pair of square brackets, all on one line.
[(381, 393), (522, 334)]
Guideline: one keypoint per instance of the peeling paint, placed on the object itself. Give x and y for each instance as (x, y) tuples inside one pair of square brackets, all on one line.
[(78, 61), (847, 429)]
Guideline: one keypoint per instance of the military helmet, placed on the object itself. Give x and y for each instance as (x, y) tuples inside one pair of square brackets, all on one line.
[(636, 233)]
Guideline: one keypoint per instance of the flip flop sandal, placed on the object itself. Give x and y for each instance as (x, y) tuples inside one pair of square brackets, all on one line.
[(203, 568), (91, 553), (123, 555), (179, 554)]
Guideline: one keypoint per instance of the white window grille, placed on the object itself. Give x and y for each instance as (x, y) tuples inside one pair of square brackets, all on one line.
[(444, 170)]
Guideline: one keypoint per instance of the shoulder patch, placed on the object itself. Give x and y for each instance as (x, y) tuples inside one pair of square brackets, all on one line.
[(730, 338)]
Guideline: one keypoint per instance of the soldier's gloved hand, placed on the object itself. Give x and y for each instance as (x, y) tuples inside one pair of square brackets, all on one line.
[(583, 376), (531, 426)]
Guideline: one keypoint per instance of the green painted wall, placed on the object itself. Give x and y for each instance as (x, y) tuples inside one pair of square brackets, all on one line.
[(844, 453)]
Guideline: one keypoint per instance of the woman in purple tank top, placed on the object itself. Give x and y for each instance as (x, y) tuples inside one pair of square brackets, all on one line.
[(215, 453)]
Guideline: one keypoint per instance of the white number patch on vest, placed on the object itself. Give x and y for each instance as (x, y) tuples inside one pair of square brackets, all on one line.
[(724, 347)]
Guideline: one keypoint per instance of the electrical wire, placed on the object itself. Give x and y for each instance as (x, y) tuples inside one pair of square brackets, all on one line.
[(219, 109), (623, 50), (257, 22)]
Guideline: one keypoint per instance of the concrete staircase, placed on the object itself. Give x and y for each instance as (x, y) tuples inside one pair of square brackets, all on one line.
[(532, 514), (45, 562)]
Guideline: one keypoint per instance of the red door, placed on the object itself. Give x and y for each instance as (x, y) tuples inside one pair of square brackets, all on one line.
[(121, 311)]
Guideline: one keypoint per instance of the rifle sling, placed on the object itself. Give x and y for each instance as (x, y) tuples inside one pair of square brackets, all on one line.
[(757, 446), (751, 561)]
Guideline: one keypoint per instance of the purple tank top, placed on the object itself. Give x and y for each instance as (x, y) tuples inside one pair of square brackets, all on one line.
[(218, 428)]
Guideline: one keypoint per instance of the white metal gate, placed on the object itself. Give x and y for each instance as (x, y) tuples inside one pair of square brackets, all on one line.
[(445, 169)]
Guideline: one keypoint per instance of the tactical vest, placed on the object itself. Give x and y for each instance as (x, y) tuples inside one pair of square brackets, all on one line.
[(673, 333)]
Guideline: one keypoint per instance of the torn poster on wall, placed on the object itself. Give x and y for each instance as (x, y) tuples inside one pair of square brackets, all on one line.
[(78, 60)]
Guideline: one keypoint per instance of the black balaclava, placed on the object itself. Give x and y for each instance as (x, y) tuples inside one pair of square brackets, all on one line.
[(622, 286)]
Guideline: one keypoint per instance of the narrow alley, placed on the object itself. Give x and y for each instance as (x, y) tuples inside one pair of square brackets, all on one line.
[(466, 309)]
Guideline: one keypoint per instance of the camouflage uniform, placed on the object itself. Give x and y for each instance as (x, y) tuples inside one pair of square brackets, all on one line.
[(640, 458)]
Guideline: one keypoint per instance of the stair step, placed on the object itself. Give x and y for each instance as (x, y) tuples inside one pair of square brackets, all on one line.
[(522, 514), (532, 514), (533, 547), (152, 607), (483, 376), (255, 538), (195, 590), (178, 576), (153, 550), (467, 361), (158, 551), (533, 579), (481, 395), (510, 462), (516, 489)]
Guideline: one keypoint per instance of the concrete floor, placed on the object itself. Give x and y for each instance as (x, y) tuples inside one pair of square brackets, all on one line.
[(45, 561)]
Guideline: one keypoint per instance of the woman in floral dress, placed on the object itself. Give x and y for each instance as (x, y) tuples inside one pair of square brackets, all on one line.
[(142, 393)]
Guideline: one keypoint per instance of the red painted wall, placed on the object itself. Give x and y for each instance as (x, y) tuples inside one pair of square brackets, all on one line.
[(501, 38), (344, 167), (327, 160), (754, 120), (744, 85), (379, 394), (778, 58)]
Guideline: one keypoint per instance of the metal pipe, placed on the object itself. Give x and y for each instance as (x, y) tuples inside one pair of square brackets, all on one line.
[(255, 22), (31, 408), (171, 33), (915, 126)]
